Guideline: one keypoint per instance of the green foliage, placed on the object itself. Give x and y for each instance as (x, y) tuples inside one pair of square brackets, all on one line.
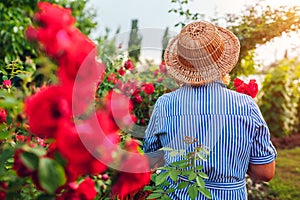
[(135, 41), (259, 24), (16, 15), (185, 173), (278, 102)]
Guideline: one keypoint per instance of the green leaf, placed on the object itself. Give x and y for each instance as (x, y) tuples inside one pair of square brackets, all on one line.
[(205, 192), (199, 167), (30, 160), (165, 197), (174, 153), (148, 188), (192, 176), (192, 192), (178, 163), (166, 149), (51, 175), (154, 195), (170, 190), (203, 175), (161, 178), (182, 185), (174, 175), (4, 134), (200, 181)]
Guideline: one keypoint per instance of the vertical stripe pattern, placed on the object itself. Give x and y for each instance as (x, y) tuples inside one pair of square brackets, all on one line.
[(230, 124)]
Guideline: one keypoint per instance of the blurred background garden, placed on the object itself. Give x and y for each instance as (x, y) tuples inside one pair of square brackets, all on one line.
[(130, 37)]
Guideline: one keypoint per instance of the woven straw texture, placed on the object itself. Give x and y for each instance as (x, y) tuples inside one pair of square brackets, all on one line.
[(201, 53)]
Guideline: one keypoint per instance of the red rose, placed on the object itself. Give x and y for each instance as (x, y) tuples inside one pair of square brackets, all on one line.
[(252, 88), (134, 118), (3, 187), (163, 68), (138, 99), (128, 65), (112, 78), (130, 182), (242, 88), (80, 54), (70, 145), (3, 115), (7, 83), (148, 88), (19, 167), (121, 71), (84, 191), (54, 16), (237, 82), (132, 145), (159, 80), (87, 189), (120, 107), (107, 122), (46, 108), (155, 73)]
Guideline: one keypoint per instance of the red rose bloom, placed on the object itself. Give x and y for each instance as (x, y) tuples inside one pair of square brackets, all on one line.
[(19, 167), (138, 99), (121, 71), (7, 83), (237, 82), (112, 78), (3, 115), (242, 88), (3, 187), (252, 88), (128, 65), (148, 88), (46, 108), (130, 182), (84, 191), (70, 144), (163, 68), (120, 107), (54, 16)]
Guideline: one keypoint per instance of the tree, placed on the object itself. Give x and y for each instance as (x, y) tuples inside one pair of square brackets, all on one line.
[(165, 42), (135, 41), (258, 25)]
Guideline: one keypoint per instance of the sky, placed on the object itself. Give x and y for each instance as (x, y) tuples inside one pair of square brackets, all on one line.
[(153, 18)]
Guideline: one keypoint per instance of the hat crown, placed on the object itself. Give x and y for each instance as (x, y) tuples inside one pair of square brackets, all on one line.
[(200, 45)]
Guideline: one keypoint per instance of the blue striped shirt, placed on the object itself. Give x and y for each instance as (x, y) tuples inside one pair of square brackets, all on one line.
[(230, 124)]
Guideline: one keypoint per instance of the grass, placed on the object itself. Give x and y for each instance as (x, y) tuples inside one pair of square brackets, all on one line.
[(286, 183)]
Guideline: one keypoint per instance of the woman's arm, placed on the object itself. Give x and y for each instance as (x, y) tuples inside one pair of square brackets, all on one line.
[(263, 172)]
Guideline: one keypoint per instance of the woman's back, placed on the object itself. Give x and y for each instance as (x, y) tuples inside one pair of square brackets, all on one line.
[(225, 122)]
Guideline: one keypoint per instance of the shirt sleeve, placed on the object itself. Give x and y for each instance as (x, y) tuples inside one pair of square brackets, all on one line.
[(152, 143), (262, 151)]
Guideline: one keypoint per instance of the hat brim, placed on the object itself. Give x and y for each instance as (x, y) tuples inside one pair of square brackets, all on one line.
[(225, 63)]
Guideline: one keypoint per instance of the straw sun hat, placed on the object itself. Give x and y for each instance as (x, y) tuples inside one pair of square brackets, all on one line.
[(201, 53)]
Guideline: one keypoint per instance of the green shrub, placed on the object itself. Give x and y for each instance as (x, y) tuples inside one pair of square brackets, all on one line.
[(279, 98)]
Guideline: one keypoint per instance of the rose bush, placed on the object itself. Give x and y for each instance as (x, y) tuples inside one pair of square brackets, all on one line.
[(60, 149)]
